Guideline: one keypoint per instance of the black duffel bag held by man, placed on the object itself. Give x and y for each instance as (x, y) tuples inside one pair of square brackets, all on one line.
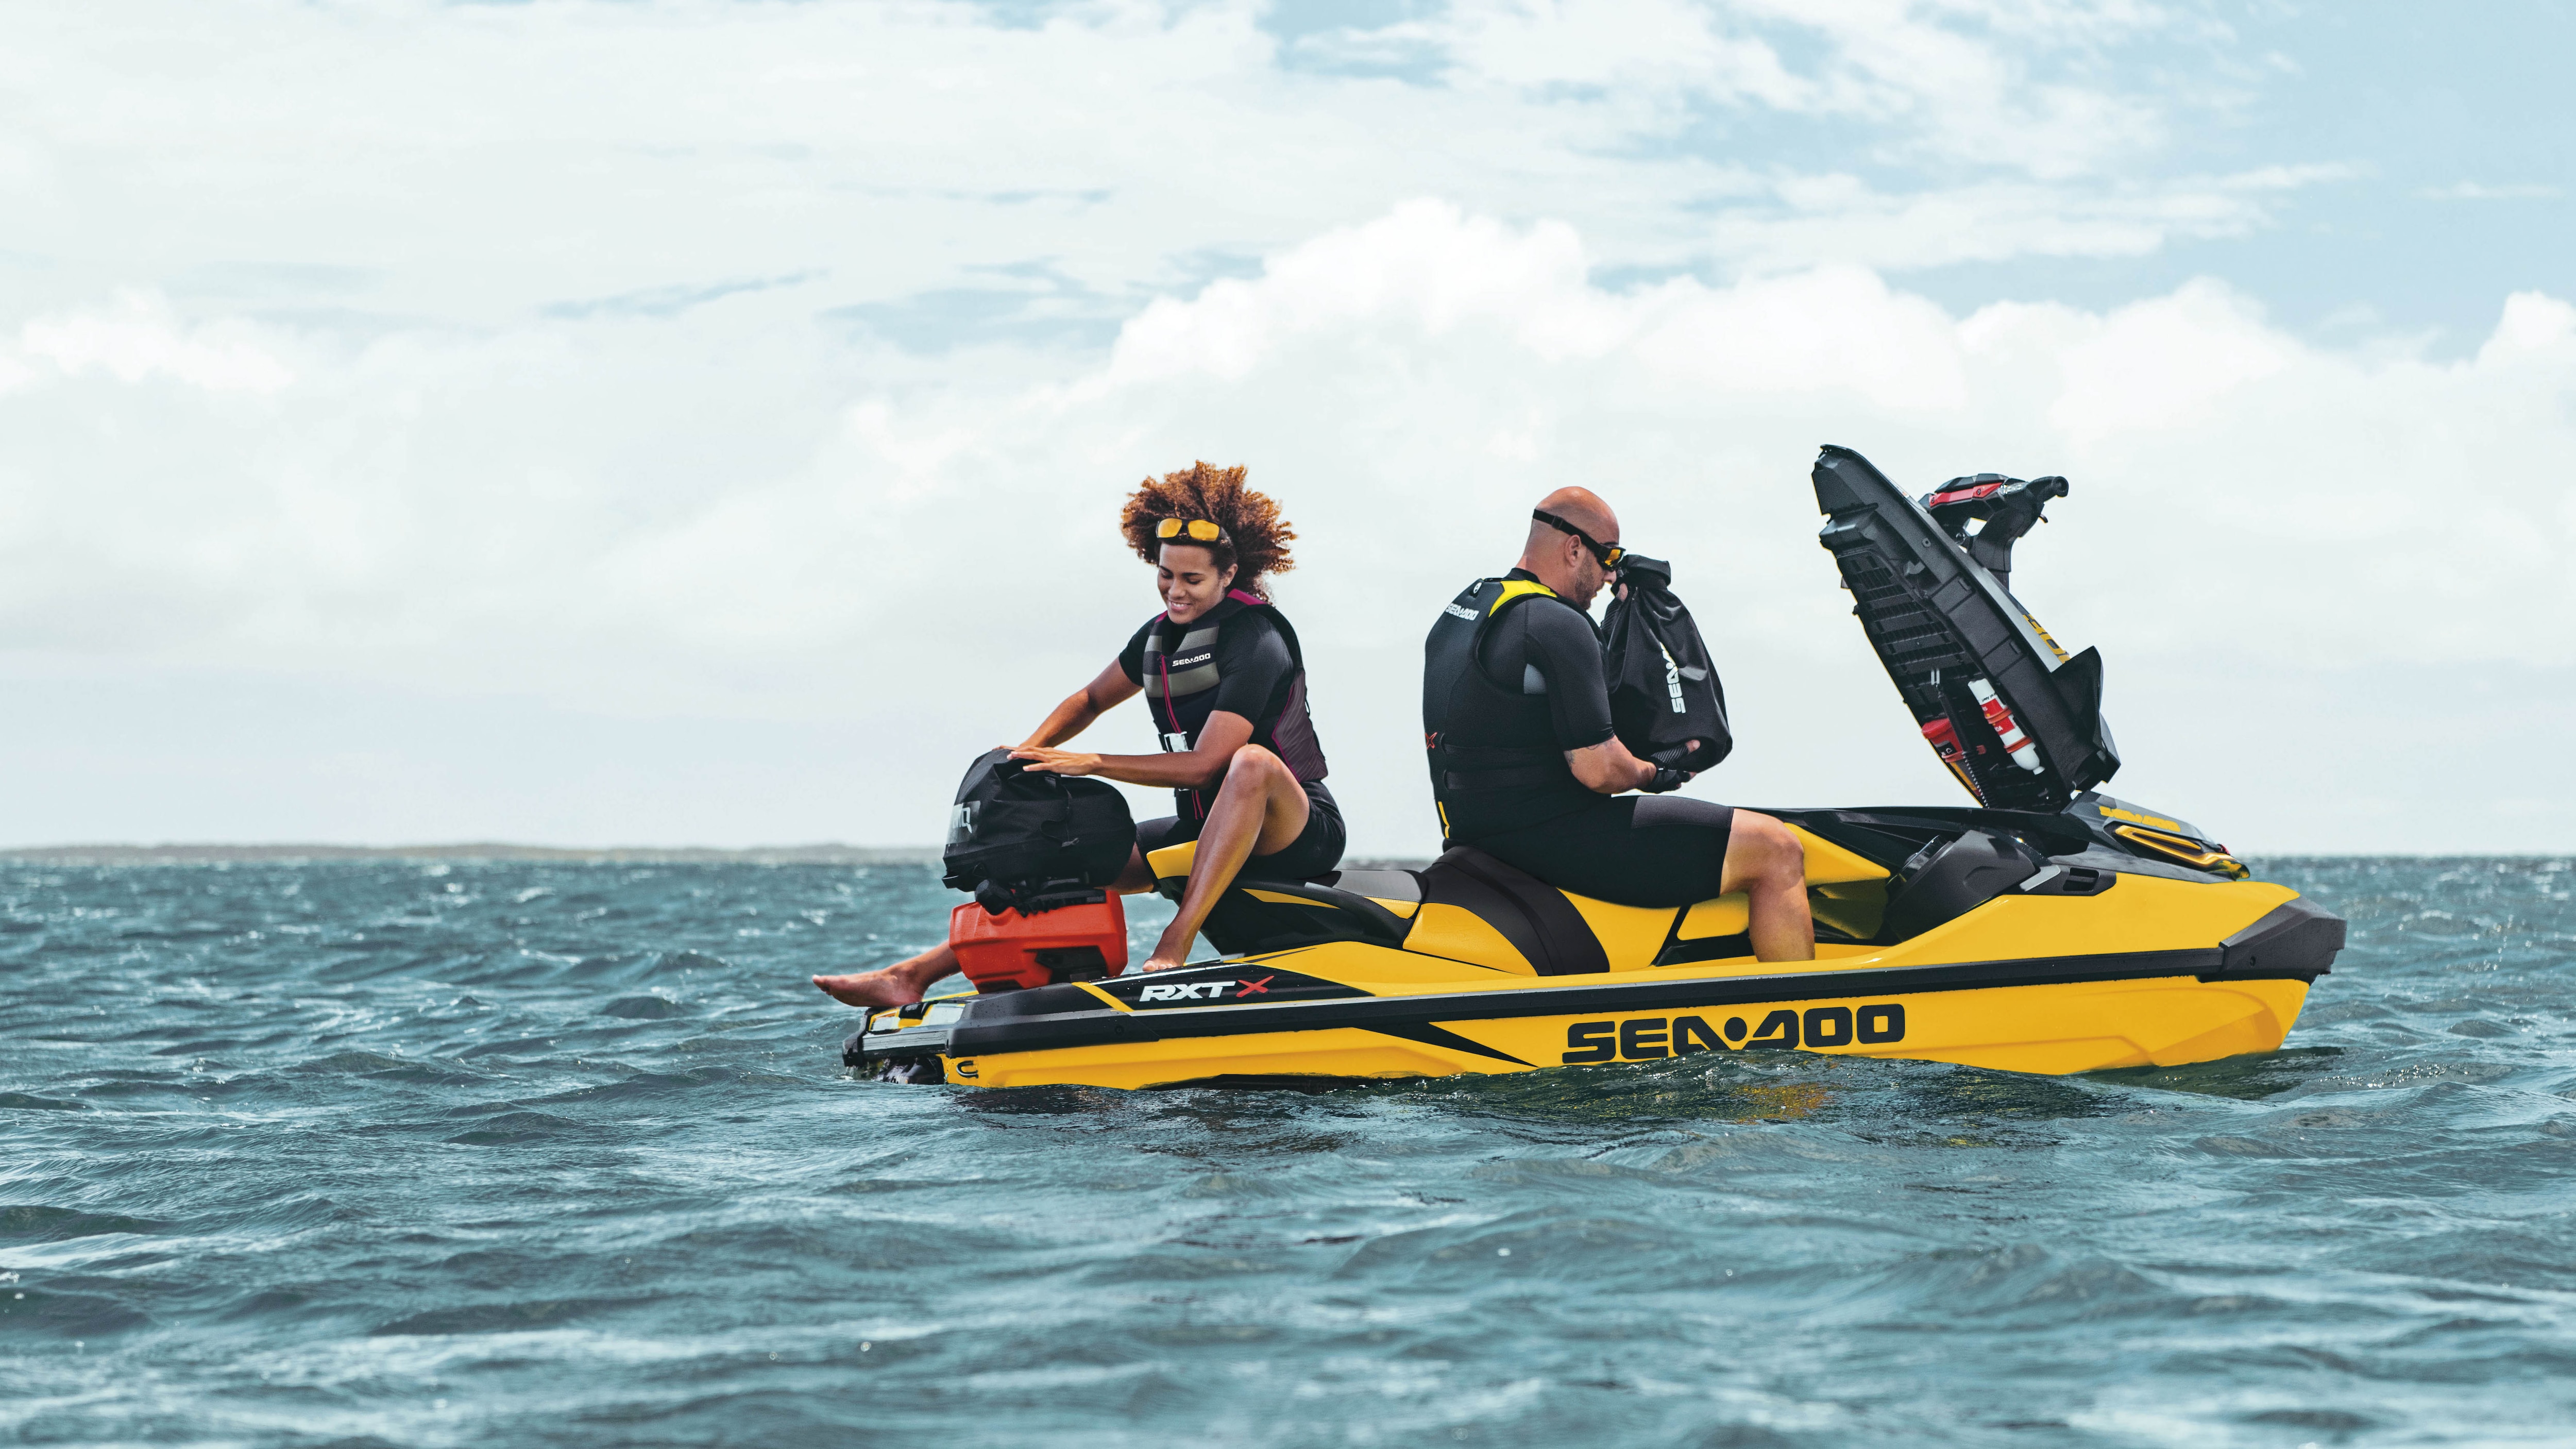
[(1527, 766), (1666, 701)]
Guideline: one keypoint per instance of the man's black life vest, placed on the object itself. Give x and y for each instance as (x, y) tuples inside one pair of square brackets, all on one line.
[(1664, 692), (1495, 762), (1181, 677)]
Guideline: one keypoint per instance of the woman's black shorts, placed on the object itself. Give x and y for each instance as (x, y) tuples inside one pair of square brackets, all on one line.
[(1315, 851), (1633, 850)]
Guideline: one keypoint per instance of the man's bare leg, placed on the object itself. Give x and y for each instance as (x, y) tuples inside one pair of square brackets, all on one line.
[(1260, 810), (1766, 862), (906, 981)]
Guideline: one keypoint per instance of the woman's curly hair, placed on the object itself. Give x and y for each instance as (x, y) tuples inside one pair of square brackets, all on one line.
[(1260, 536)]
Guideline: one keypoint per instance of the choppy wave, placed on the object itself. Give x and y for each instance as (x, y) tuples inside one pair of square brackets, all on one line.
[(509, 1154)]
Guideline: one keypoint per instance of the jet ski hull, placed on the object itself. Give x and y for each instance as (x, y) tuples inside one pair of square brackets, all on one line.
[(2219, 970)]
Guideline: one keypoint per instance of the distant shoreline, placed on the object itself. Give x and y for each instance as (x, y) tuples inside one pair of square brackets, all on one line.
[(828, 854), (823, 854)]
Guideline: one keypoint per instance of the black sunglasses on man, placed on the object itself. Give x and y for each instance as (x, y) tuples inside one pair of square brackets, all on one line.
[(1607, 554)]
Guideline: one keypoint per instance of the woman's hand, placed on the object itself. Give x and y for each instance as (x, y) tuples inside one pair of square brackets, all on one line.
[(1057, 762)]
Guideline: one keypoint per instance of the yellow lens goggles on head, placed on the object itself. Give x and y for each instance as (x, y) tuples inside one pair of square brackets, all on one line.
[(1199, 530)]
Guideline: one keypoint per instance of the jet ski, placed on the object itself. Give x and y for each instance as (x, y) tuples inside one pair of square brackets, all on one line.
[(2045, 927)]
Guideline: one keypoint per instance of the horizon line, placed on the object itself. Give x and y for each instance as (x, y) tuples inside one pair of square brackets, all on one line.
[(817, 853), (217, 852)]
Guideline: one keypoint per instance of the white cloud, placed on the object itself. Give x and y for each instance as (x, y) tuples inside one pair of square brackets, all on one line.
[(474, 163), (1991, 85), (1841, 218), (137, 337), (536, 512), (746, 364), (2480, 191)]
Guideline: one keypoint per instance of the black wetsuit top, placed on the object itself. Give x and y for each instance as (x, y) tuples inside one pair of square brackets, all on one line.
[(1556, 652)]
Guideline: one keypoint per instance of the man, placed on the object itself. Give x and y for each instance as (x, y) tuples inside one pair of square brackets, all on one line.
[(1525, 766)]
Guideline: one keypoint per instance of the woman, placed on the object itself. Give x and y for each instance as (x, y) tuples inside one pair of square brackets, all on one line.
[(1225, 681)]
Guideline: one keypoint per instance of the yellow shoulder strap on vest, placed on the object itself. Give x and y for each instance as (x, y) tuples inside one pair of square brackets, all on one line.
[(1518, 588)]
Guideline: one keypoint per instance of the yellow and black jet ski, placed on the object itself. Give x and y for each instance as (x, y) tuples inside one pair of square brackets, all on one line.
[(2047, 928)]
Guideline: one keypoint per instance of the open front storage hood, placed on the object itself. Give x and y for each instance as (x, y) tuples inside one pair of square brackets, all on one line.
[(2014, 717)]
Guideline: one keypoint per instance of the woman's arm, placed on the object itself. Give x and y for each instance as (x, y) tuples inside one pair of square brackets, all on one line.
[(1080, 708), (1196, 769)]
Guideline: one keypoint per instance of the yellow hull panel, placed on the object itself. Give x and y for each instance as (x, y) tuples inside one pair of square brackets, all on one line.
[(2155, 1018)]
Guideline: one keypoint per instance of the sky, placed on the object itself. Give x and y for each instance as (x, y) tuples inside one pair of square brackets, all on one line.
[(704, 423)]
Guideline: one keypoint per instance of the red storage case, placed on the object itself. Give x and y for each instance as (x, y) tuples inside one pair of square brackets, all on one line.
[(1069, 943)]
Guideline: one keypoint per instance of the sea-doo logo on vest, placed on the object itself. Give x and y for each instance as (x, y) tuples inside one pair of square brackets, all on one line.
[(1467, 614), (1194, 659), (1184, 991), (1672, 678)]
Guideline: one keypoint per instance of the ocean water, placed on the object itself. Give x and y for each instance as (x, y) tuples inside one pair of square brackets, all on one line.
[(509, 1154)]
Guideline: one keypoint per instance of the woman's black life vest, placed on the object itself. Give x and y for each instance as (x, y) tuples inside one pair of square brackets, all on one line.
[(1495, 762), (1664, 693), (1181, 676)]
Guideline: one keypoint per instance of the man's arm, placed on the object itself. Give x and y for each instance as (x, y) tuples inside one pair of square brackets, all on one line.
[(1565, 652), (1608, 767)]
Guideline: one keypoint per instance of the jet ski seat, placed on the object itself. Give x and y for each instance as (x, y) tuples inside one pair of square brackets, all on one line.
[(1469, 907), (1269, 913)]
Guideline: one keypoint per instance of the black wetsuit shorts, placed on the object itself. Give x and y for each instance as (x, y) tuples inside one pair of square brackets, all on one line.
[(1316, 850), (1632, 850)]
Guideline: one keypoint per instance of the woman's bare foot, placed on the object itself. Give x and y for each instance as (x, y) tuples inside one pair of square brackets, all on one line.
[(900, 984), (1170, 955)]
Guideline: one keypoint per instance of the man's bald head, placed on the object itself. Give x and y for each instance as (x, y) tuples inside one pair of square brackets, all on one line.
[(1559, 559), (1579, 506)]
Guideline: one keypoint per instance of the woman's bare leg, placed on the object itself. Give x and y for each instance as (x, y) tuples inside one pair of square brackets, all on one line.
[(907, 980), (1260, 810), (897, 985), (1767, 863)]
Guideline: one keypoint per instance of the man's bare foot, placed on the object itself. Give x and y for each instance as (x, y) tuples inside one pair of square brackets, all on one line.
[(900, 984), (1160, 962)]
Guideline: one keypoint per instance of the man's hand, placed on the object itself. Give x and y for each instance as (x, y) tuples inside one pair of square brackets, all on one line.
[(1057, 762), (1609, 768)]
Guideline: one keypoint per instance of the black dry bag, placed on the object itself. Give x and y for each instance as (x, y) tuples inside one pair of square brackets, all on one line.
[(1664, 693), (1026, 840)]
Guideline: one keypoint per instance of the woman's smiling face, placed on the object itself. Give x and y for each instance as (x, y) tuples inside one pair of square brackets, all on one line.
[(1189, 580)]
